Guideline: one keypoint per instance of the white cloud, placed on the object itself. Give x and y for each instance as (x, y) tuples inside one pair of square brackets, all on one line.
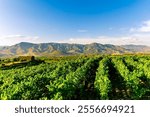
[(132, 29), (135, 39), (137, 36), (14, 39), (82, 30), (144, 28)]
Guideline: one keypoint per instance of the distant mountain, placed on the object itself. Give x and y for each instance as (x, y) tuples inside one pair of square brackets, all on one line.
[(137, 48), (56, 49)]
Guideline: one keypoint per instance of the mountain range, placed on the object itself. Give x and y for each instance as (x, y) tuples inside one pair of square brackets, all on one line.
[(57, 49)]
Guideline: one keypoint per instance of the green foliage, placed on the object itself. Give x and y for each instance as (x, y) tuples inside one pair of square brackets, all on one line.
[(102, 82), (79, 77)]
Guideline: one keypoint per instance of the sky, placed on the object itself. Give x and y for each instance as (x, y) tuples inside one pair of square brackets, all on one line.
[(116, 22)]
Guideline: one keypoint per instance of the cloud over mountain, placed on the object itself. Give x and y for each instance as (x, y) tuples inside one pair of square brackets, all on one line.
[(13, 39)]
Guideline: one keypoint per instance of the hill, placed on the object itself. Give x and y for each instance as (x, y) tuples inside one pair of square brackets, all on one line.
[(137, 48), (57, 49)]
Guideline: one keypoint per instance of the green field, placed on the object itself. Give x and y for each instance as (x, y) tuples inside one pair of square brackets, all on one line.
[(77, 78)]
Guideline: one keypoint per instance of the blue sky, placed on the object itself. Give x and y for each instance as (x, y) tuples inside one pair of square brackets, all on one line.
[(75, 21)]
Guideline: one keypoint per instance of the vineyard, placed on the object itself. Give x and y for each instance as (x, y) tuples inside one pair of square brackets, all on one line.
[(82, 78)]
